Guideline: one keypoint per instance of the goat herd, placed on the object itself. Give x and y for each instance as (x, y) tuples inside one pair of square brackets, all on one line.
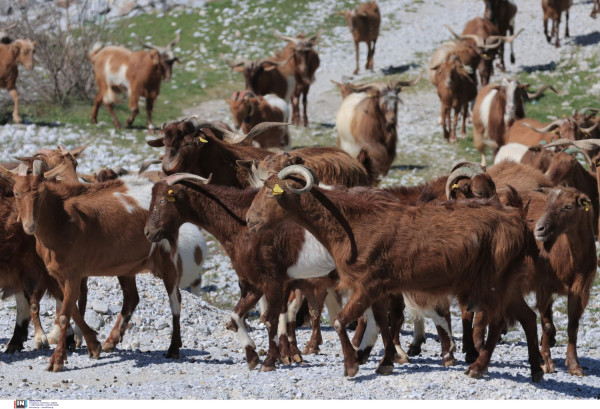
[(310, 222)]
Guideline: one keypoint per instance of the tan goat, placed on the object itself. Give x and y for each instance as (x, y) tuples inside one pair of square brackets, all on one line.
[(11, 55), (364, 25)]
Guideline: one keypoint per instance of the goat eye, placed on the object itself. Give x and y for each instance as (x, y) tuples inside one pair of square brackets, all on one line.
[(568, 207), (163, 201)]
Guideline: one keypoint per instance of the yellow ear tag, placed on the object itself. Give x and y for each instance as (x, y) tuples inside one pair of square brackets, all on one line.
[(170, 197), (201, 139), (586, 204), (455, 186), (277, 190)]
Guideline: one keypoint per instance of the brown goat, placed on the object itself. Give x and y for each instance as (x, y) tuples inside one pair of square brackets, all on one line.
[(268, 75), (265, 264), (249, 110), (139, 73), (595, 9), (553, 10), (496, 108), (484, 29), (562, 224), (502, 13), (11, 55), (364, 25), (376, 254), (531, 132), (366, 121), (72, 251), (455, 89), (305, 62)]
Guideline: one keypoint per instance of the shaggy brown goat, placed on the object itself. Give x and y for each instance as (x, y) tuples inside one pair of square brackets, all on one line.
[(374, 241)]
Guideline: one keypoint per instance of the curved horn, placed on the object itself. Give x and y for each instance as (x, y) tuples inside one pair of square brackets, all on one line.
[(475, 167), (286, 38), (460, 173), (554, 124), (262, 127), (8, 174), (558, 142), (506, 39), (400, 84), (54, 172), (172, 179), (77, 151), (234, 64), (590, 129), (361, 87), (534, 95), (490, 46), (314, 38), (586, 109), (302, 170), (172, 43), (146, 164), (145, 45)]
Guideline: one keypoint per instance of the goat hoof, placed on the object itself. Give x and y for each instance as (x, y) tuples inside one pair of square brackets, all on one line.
[(473, 373), (266, 368), (576, 370), (108, 347), (414, 350), (350, 370), (310, 350), (401, 359), (285, 360), (449, 362), (297, 358), (355, 71), (41, 342), (548, 366), (363, 355), (252, 357), (512, 59), (12, 348), (173, 353), (386, 369), (95, 352), (537, 376)]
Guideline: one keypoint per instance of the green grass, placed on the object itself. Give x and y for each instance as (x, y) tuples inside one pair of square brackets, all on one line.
[(234, 29)]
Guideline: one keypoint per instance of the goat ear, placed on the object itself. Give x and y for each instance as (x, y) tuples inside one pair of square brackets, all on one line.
[(156, 143), (584, 202), (15, 49), (155, 56), (238, 69)]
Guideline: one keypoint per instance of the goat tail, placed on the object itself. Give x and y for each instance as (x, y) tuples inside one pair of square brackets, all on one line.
[(94, 51)]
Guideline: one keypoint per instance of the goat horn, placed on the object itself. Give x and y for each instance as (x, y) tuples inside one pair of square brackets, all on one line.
[(586, 109), (490, 46), (54, 172), (77, 151), (506, 39), (274, 62), (286, 38), (576, 150), (559, 142), (475, 167), (234, 64), (145, 45), (10, 27), (314, 38), (309, 177), (177, 177), (408, 83), (37, 168), (146, 164), (172, 43), (23, 169), (460, 173), (590, 129), (534, 95), (587, 144), (262, 127), (63, 149), (554, 124)]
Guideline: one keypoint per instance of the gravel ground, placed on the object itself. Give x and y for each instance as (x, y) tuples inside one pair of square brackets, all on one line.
[(212, 365)]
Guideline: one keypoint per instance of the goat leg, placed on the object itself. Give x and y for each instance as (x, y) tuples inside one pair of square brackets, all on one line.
[(576, 305), (15, 97), (471, 353), (396, 320), (21, 325), (250, 297), (275, 304), (130, 301), (527, 318), (380, 309), (40, 338)]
